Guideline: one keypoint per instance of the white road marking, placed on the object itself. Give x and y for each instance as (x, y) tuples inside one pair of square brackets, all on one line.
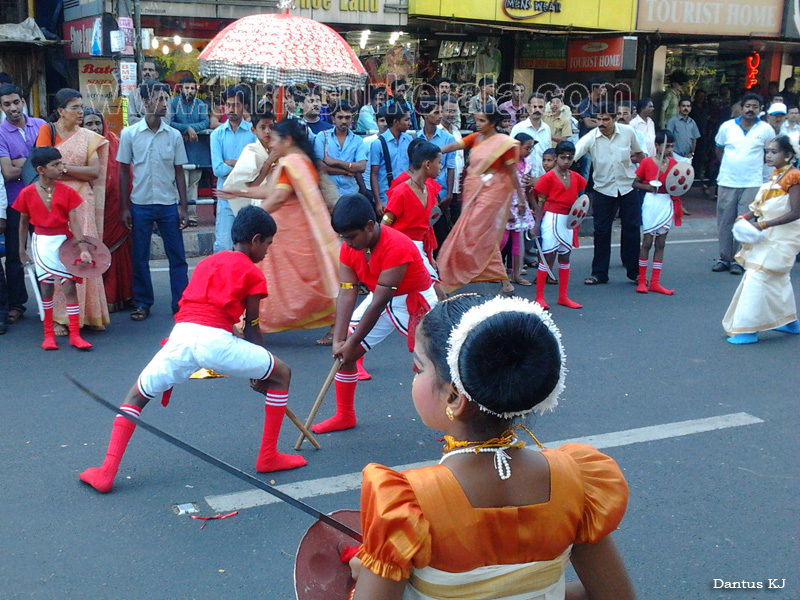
[(352, 481)]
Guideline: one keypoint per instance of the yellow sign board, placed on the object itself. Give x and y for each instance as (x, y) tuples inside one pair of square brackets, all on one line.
[(585, 14)]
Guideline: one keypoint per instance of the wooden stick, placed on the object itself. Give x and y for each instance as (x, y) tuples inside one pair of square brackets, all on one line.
[(305, 432), (318, 402)]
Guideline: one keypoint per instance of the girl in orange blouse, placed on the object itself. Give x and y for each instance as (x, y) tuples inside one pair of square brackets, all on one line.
[(471, 527)]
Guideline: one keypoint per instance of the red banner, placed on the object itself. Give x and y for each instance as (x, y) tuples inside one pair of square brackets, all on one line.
[(604, 54)]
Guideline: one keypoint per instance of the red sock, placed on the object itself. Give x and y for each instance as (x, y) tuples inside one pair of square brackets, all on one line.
[(641, 285), (75, 339), (362, 372), (541, 282), (49, 342), (655, 286), (269, 459), (102, 478), (563, 285), (345, 416)]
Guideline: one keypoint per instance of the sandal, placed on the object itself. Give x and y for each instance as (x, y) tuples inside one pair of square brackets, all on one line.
[(140, 313), (593, 280), (521, 281), (326, 340), (14, 315)]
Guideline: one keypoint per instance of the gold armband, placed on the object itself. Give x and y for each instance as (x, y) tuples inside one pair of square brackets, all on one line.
[(255, 322), (347, 286), (387, 220)]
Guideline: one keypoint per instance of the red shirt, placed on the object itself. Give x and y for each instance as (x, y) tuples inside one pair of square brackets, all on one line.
[(411, 217), (392, 250), (48, 222), (217, 293), (403, 177), (558, 198), (648, 171)]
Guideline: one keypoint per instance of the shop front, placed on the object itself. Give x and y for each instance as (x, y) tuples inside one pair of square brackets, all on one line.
[(726, 45)]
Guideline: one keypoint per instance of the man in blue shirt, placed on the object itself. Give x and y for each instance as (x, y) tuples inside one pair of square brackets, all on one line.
[(341, 151), (396, 141), (431, 115), (312, 103), (399, 90), (227, 143), (190, 115)]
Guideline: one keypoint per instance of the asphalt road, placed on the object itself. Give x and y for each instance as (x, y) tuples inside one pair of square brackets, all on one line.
[(715, 504)]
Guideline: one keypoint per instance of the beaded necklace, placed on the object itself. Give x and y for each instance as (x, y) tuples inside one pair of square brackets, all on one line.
[(498, 445)]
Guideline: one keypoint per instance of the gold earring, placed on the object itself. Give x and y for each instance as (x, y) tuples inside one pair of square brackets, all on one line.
[(449, 412)]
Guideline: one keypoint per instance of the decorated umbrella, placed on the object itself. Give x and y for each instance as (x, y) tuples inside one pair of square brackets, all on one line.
[(283, 49)]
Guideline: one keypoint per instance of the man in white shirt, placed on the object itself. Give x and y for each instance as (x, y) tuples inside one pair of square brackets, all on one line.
[(612, 147), (792, 122), (740, 149), (538, 130), (645, 125), (450, 212)]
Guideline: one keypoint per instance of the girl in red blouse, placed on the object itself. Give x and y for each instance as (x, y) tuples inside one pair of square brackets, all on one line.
[(50, 206), (556, 191)]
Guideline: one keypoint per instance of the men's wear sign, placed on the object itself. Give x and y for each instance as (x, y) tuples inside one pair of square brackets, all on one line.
[(720, 17)]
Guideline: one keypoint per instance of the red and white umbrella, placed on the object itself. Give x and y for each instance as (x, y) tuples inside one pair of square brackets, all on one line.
[(283, 49)]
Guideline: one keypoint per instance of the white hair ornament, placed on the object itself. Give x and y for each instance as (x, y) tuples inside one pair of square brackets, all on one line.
[(476, 315)]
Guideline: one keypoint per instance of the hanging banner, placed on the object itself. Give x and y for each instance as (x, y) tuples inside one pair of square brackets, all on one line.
[(604, 54)]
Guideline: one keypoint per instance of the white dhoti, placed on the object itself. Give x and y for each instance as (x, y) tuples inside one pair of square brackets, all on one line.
[(556, 237), (44, 252), (431, 271), (540, 580), (765, 299), (657, 213), (396, 315)]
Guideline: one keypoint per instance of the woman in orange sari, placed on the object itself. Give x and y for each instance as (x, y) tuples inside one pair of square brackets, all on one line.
[(118, 280), (471, 252), (302, 264), (85, 156)]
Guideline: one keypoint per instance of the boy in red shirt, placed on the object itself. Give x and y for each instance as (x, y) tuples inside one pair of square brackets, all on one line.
[(50, 206), (401, 293), (222, 287), (556, 191), (411, 202)]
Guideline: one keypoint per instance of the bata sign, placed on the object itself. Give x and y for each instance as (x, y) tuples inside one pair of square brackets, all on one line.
[(607, 54), (722, 17)]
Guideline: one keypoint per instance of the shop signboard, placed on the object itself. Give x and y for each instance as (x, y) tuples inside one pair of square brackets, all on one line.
[(717, 17), (98, 81), (84, 37), (611, 15), (542, 54), (352, 12), (791, 19), (605, 54)]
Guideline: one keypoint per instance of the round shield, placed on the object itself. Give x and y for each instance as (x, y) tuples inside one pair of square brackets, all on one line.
[(436, 214), (70, 256), (679, 179), (578, 212), (319, 573)]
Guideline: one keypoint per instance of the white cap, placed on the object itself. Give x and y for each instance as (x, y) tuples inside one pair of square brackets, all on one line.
[(779, 108)]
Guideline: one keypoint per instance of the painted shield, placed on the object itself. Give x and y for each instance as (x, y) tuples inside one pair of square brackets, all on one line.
[(70, 253), (436, 214), (679, 179), (319, 573), (578, 212)]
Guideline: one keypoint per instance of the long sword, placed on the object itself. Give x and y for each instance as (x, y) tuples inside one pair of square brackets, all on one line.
[(221, 464)]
